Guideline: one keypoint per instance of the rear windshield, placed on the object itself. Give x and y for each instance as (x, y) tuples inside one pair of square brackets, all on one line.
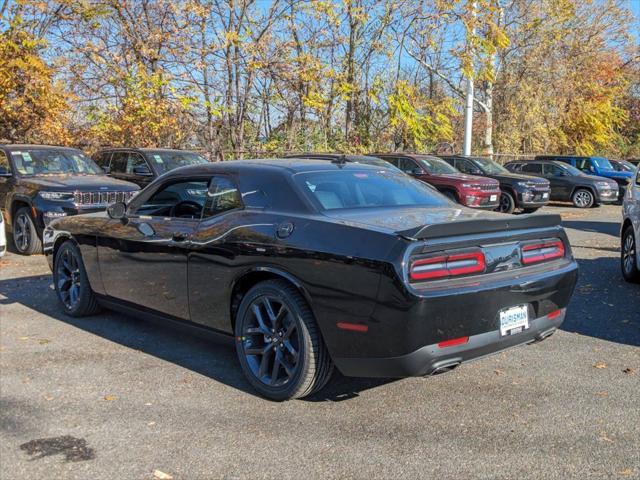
[(165, 161), (366, 189), (32, 161)]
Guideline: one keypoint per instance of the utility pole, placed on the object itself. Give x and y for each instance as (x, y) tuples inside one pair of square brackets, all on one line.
[(468, 108)]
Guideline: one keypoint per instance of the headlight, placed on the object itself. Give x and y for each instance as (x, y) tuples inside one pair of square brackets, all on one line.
[(524, 184), (58, 196), (603, 185)]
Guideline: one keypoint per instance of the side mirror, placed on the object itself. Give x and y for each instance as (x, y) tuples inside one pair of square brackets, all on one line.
[(117, 210), (142, 170)]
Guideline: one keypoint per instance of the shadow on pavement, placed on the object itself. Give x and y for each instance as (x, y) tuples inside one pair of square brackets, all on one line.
[(606, 228), (604, 305), (193, 348)]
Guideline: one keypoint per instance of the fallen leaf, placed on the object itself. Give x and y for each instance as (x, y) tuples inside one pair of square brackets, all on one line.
[(498, 371), (43, 341), (629, 371), (603, 436), (23, 338), (151, 424), (602, 394), (626, 472), (110, 398), (600, 365), (161, 475)]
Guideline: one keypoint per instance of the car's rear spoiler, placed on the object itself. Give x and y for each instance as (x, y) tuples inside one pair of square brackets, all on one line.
[(466, 227)]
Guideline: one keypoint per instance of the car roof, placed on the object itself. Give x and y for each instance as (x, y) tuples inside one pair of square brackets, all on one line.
[(538, 160), (292, 165), (29, 146), (144, 149), (405, 154), (332, 156)]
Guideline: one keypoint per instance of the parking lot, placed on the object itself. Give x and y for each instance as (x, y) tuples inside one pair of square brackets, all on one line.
[(114, 397)]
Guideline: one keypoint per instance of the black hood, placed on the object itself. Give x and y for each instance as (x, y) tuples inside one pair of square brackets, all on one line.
[(83, 183), (516, 177)]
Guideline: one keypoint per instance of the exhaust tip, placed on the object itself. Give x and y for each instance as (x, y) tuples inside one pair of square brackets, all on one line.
[(447, 367)]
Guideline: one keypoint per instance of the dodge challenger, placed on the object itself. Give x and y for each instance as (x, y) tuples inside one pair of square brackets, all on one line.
[(308, 264)]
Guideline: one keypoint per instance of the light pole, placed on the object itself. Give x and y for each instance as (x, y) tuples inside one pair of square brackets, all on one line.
[(468, 107)]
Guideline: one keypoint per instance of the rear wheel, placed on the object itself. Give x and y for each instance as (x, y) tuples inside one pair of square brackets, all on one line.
[(25, 234), (507, 203), (278, 342), (71, 282), (583, 198), (629, 256)]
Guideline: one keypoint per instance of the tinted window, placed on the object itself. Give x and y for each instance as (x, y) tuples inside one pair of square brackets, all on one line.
[(554, 170), (134, 160), (407, 165), (53, 162), (102, 159), (436, 165), (584, 164), (180, 199), (532, 168), (465, 166), (223, 195), (165, 161), (119, 162), (366, 188), (5, 167)]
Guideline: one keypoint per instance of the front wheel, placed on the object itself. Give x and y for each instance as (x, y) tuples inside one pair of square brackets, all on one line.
[(25, 234), (278, 342), (507, 203), (629, 256), (582, 198), (71, 282)]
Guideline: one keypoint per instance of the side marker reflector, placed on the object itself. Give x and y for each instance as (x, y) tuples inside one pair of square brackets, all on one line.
[(554, 314), (354, 327), (453, 342)]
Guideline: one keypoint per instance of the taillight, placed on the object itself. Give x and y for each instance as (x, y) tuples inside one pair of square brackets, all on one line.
[(443, 266), (542, 252)]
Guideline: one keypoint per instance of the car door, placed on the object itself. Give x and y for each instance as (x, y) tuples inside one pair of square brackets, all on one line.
[(118, 164), (211, 260), (561, 183), (137, 170), (143, 258)]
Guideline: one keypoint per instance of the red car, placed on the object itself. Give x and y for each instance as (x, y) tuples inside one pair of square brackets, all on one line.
[(469, 190)]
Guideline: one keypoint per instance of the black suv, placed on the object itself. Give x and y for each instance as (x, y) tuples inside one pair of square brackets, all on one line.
[(517, 190), (142, 165), (41, 183), (568, 183)]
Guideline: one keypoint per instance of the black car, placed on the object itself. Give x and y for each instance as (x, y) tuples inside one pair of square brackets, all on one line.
[(622, 165), (308, 264), (41, 183), (568, 183), (142, 165), (517, 191), (341, 157)]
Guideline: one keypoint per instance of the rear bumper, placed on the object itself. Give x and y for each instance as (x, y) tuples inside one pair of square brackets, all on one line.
[(432, 359)]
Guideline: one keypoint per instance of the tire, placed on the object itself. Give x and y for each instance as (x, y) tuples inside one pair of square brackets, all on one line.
[(69, 276), (530, 210), (25, 235), (507, 203), (303, 362), (582, 198), (629, 256)]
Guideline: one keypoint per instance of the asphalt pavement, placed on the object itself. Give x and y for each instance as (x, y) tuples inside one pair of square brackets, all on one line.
[(114, 397)]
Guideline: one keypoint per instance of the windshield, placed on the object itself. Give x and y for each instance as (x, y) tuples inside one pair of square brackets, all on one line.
[(366, 188), (165, 161), (626, 166), (602, 162), (489, 166), (53, 162), (436, 165)]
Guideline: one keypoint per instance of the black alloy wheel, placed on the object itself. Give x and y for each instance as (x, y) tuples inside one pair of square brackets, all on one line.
[(25, 235), (628, 256), (71, 282), (278, 342), (507, 203)]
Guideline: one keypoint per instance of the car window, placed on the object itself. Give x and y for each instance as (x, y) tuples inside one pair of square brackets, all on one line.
[(166, 160), (395, 161), (102, 159), (48, 161), (584, 164), (223, 195), (465, 166), (554, 170), (407, 165), (119, 162), (436, 166), (366, 188), (532, 168), (5, 166), (135, 160), (184, 199), (514, 167)]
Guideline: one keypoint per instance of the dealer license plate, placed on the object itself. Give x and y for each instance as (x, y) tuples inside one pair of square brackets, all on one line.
[(545, 195), (493, 198), (514, 320)]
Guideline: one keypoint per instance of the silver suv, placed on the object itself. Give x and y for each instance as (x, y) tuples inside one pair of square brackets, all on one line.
[(630, 231)]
